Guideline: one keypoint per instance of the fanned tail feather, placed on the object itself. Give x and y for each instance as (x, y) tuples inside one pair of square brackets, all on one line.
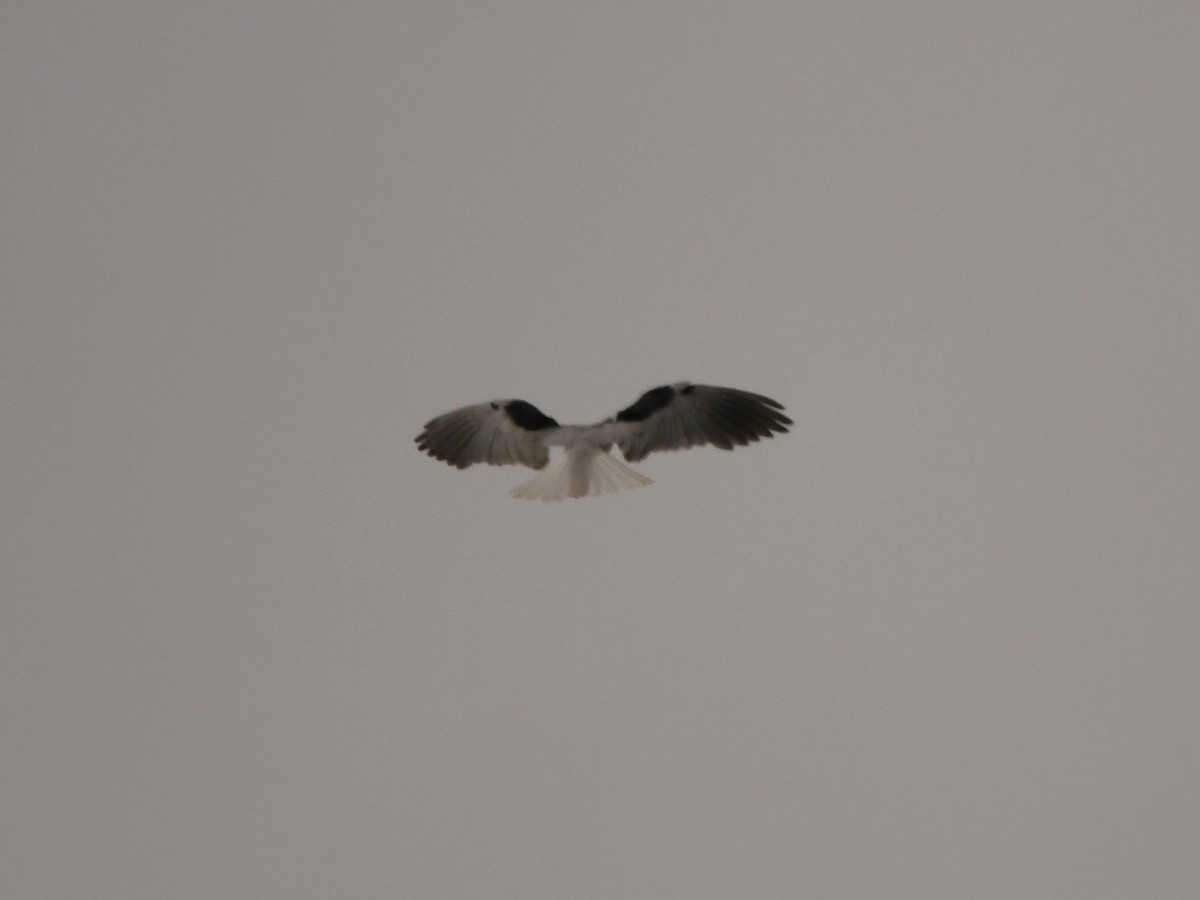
[(575, 474)]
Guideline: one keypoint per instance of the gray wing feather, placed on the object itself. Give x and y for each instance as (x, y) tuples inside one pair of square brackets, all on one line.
[(688, 415), (482, 433)]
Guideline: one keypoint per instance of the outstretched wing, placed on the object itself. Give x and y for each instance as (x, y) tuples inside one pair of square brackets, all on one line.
[(503, 432), (682, 415)]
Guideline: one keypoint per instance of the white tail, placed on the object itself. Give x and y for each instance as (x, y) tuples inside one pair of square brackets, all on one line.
[(580, 472)]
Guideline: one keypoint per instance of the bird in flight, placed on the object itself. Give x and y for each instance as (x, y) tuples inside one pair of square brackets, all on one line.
[(671, 417)]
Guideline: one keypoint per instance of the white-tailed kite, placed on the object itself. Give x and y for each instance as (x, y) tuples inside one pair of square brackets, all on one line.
[(671, 417)]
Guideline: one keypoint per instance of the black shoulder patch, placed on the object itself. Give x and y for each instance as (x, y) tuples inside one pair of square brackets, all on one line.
[(527, 416), (647, 404)]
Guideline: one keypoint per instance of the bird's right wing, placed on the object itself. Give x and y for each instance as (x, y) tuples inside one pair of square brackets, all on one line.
[(677, 416), (503, 432)]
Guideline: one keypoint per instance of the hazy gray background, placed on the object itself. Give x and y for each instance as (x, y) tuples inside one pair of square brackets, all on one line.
[(941, 641)]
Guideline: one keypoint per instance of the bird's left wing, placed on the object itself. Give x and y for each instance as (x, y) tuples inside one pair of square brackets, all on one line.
[(681, 415), (503, 432)]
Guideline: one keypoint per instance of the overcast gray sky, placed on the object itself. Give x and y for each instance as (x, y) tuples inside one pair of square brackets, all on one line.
[(939, 642)]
